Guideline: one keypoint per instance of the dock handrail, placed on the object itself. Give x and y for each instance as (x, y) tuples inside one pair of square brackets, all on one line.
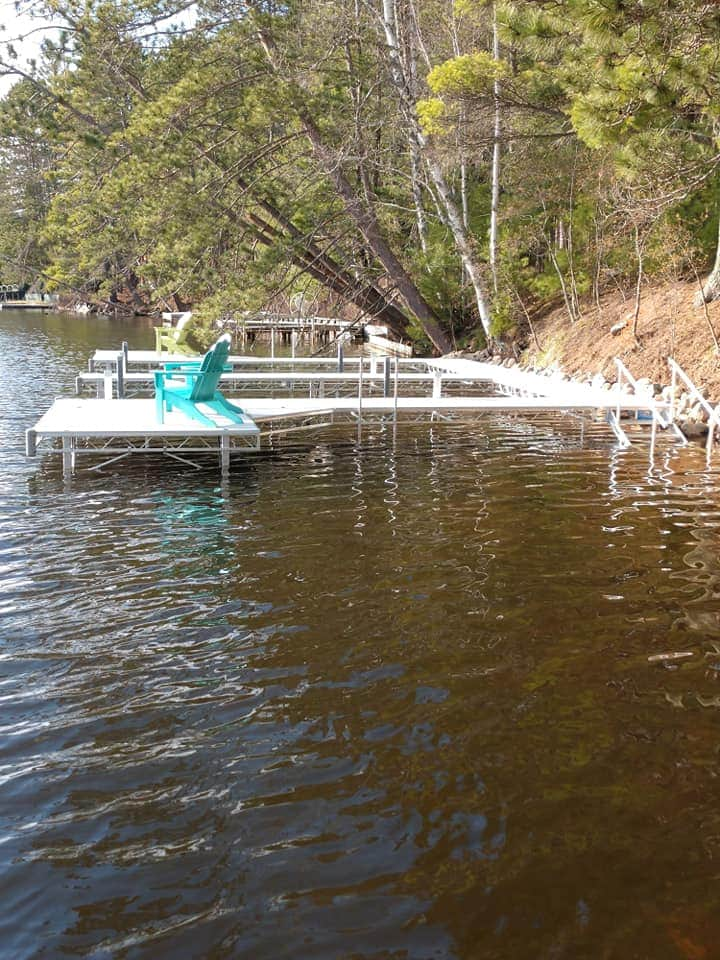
[(713, 413), (658, 419), (624, 374)]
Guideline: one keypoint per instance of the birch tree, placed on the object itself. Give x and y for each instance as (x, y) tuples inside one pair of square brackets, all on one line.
[(453, 215)]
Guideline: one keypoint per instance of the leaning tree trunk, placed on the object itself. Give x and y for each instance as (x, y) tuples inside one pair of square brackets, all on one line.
[(368, 226), (711, 288), (361, 214)]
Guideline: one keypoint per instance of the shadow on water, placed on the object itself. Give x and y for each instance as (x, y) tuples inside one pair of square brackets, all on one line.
[(387, 698)]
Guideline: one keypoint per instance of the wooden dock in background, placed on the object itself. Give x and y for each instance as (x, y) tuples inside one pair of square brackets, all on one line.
[(26, 304)]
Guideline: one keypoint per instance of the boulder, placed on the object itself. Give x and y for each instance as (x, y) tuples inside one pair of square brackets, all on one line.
[(683, 404), (691, 429), (644, 386), (698, 414)]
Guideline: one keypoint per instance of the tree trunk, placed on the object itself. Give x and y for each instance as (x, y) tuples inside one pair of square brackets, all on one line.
[(417, 199), (363, 216), (368, 226), (452, 214), (638, 285), (711, 287), (323, 268), (311, 259), (495, 194)]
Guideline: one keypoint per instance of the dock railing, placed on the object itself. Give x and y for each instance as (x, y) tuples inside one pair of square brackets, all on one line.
[(624, 377), (712, 412)]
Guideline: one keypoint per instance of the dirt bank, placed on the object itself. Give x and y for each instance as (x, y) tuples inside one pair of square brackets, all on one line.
[(668, 325)]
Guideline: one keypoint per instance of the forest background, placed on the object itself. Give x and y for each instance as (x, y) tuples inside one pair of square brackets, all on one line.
[(450, 169)]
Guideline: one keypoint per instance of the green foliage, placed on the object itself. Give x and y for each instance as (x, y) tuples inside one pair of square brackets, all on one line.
[(430, 112), (181, 167), (466, 75)]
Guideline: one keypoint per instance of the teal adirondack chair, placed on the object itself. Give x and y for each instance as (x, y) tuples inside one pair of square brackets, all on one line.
[(199, 384), (174, 339)]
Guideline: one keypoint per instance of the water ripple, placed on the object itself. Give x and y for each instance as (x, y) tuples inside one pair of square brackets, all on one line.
[(373, 697)]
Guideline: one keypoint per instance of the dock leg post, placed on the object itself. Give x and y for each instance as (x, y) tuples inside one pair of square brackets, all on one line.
[(710, 437), (272, 343), (437, 385), (673, 387), (68, 456), (125, 350), (386, 376), (653, 436), (395, 404), (224, 454), (120, 377), (340, 359), (30, 443)]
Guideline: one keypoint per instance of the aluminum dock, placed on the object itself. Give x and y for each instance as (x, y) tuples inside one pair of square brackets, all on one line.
[(112, 428)]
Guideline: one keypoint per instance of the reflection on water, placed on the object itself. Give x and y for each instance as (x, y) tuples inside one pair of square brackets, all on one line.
[(377, 698)]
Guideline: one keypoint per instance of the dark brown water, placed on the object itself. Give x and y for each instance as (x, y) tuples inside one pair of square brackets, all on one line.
[(386, 698)]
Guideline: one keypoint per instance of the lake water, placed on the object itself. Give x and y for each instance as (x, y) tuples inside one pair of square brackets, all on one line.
[(385, 697)]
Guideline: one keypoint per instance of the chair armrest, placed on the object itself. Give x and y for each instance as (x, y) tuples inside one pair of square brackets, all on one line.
[(184, 366), (181, 365), (160, 376)]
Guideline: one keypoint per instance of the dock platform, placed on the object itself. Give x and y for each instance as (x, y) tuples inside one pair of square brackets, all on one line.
[(363, 391), (118, 428)]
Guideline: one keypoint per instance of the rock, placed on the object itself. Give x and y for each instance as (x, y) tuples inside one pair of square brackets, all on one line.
[(683, 404), (618, 327), (692, 430), (669, 657), (698, 414)]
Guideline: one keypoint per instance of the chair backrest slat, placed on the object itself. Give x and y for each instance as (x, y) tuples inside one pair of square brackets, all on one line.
[(211, 370)]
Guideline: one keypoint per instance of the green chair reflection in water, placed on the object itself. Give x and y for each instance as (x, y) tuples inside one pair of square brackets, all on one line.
[(199, 384)]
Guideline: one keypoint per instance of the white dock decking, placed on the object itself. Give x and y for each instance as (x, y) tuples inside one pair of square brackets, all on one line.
[(116, 428)]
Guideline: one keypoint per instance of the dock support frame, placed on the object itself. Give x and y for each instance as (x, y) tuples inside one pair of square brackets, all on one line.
[(68, 455)]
